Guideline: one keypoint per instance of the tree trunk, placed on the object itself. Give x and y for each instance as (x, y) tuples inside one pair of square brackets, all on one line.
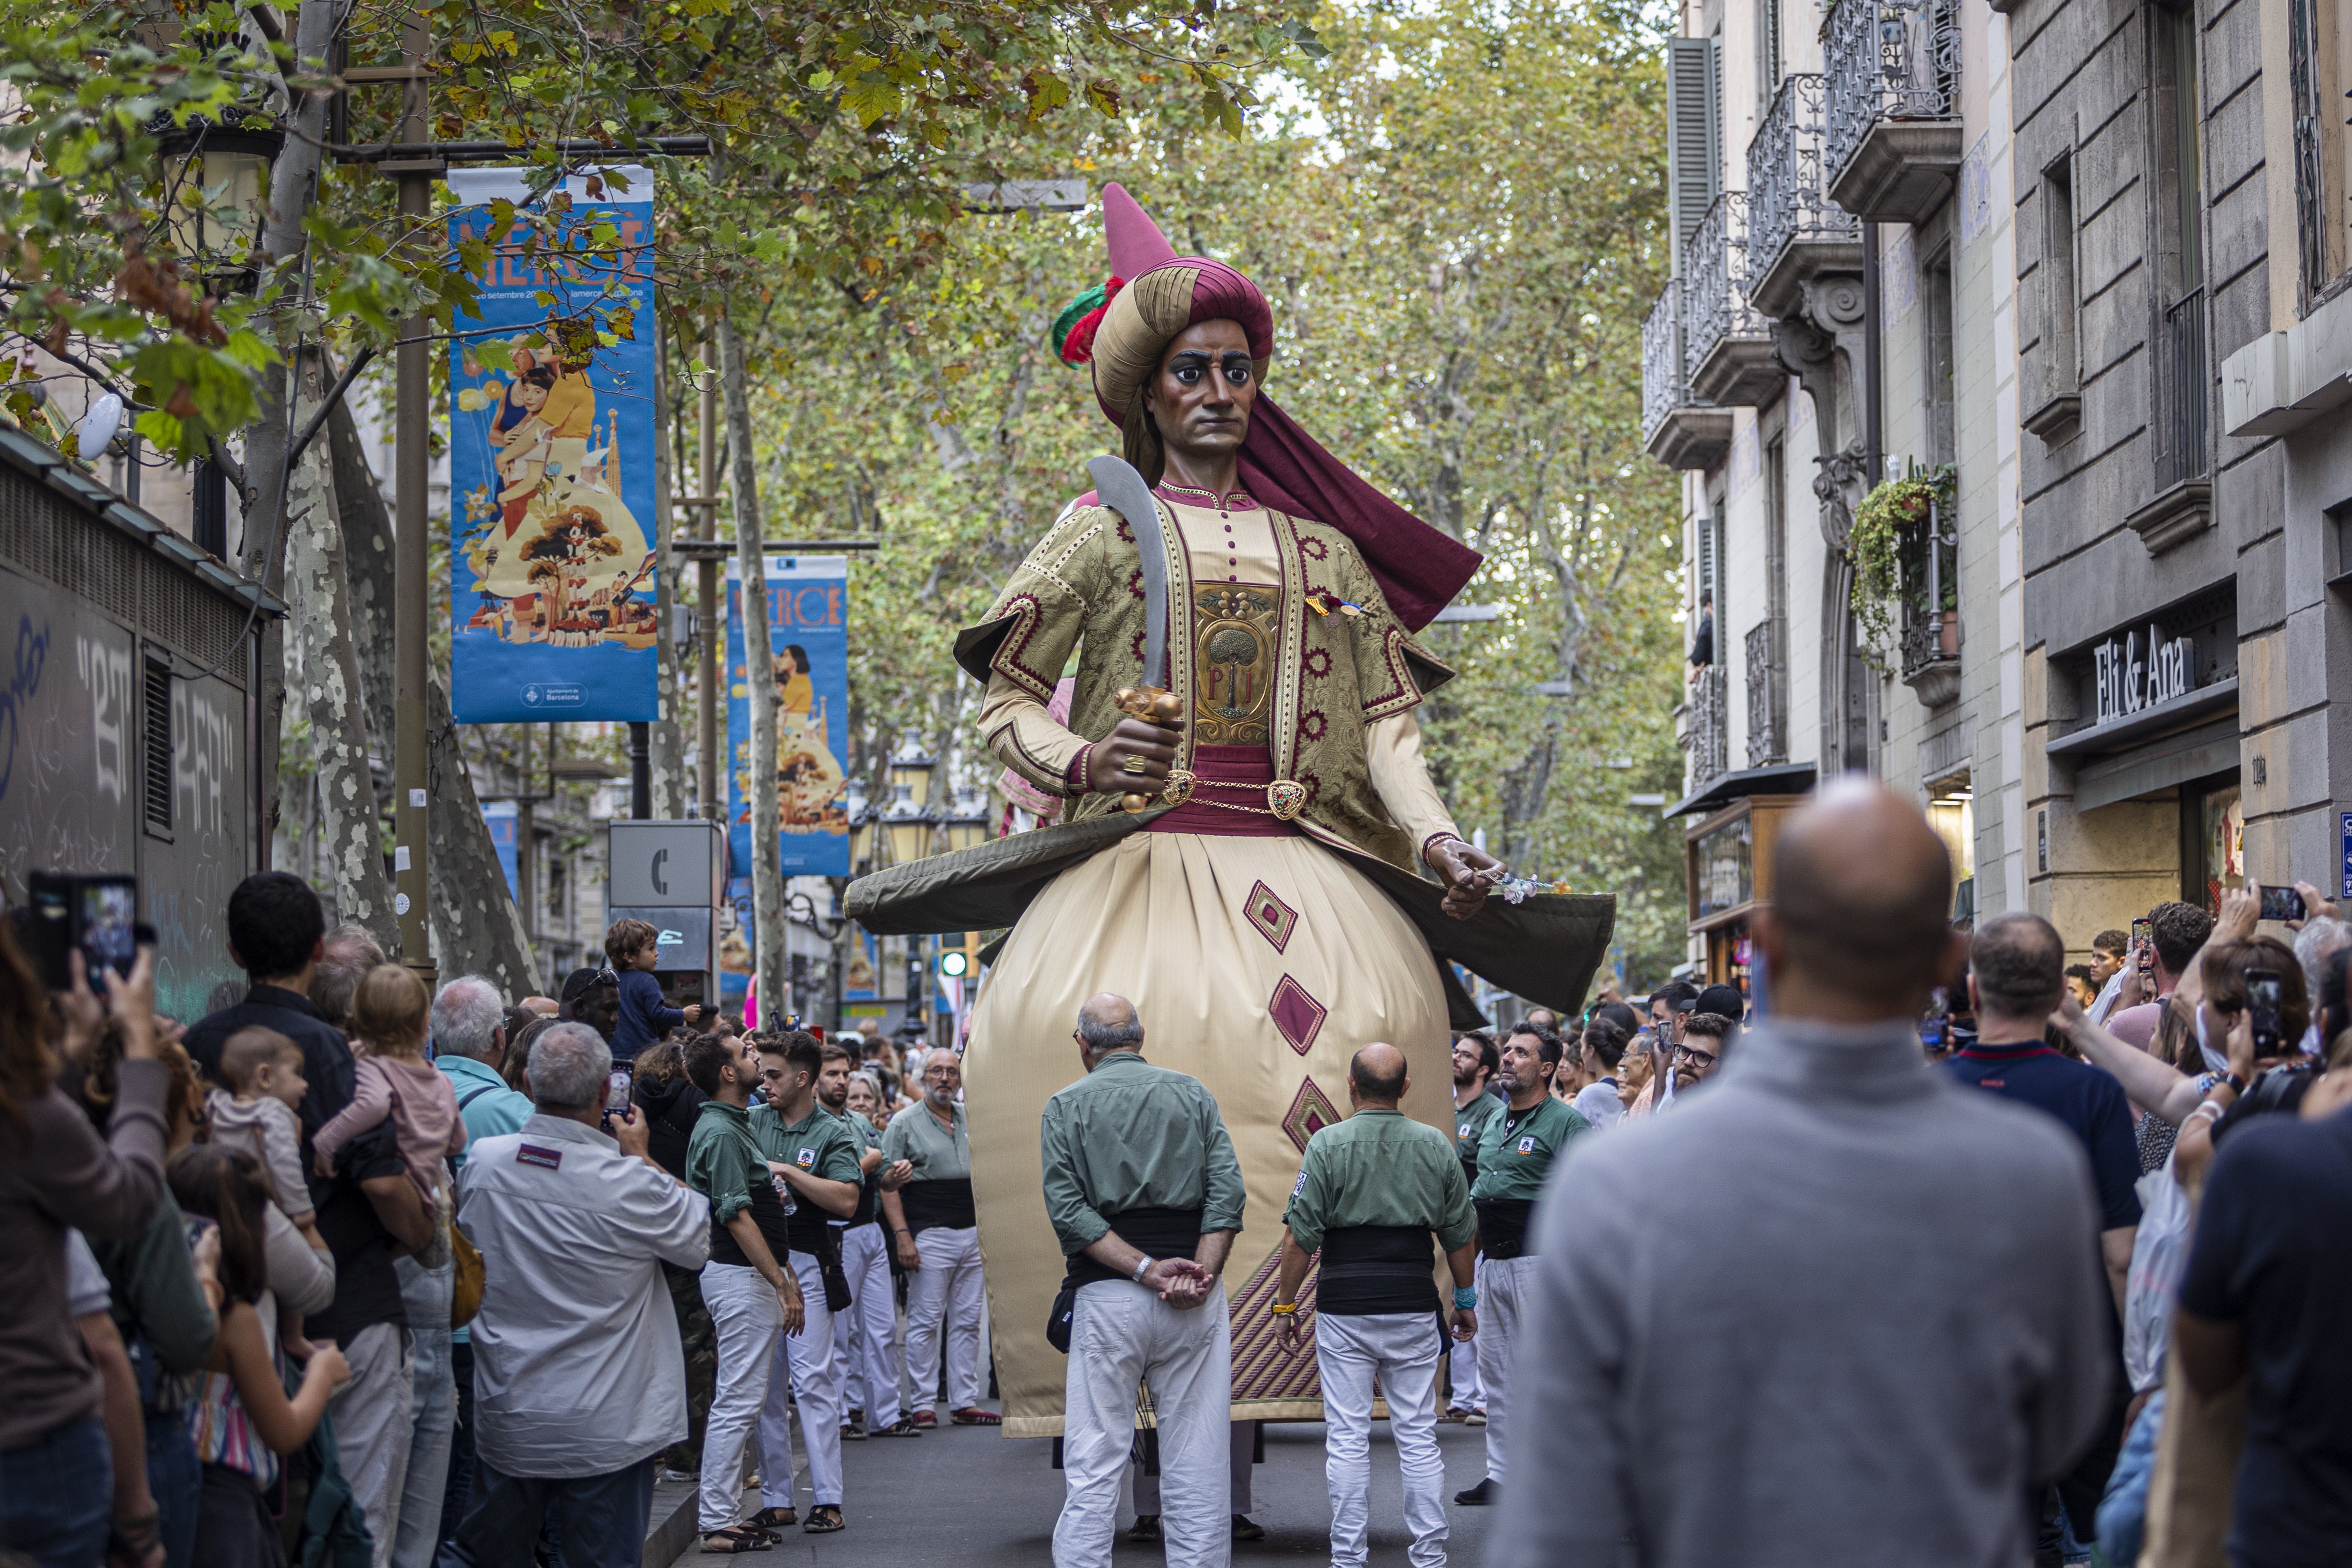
[(477, 929), (767, 848), (330, 696), (292, 179), (666, 742), (367, 567)]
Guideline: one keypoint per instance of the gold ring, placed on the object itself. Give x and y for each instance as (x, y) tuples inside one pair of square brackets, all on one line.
[(1131, 765)]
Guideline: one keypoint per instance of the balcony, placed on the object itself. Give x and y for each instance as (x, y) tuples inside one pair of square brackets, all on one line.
[(1795, 233), (1727, 347), (1677, 429), (1767, 692), (2183, 507), (1930, 634), (1703, 730), (1894, 148)]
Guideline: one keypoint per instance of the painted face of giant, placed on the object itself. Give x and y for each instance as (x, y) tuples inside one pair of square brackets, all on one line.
[(1206, 386)]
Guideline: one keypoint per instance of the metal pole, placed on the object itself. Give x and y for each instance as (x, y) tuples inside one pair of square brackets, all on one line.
[(411, 880), (1873, 354), (705, 683), (641, 771)]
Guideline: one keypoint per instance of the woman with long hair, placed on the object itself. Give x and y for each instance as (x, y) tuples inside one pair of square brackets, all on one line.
[(57, 1471), (242, 1420)]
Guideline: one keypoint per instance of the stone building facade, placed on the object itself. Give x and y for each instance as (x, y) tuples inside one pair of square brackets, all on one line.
[(1843, 225)]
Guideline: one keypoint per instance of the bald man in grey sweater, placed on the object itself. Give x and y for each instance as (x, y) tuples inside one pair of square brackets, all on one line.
[(1863, 1313)]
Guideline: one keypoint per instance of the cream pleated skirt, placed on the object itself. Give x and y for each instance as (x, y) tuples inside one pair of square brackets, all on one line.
[(1259, 965)]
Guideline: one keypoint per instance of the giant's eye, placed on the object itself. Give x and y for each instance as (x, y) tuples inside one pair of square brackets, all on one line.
[(1187, 371), (1237, 372)]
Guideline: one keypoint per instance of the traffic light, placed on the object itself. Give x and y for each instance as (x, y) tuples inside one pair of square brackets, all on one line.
[(953, 964), (961, 961)]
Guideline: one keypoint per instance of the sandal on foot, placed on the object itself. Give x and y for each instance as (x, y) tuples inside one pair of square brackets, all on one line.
[(822, 1520), (769, 1521), (735, 1539), (1144, 1531), (974, 1416)]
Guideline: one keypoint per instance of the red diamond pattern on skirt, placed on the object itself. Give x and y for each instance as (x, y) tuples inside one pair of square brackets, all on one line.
[(1309, 1112), (1273, 919), (1298, 1016)]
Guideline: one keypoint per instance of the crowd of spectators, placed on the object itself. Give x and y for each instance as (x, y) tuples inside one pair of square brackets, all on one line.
[(347, 1272)]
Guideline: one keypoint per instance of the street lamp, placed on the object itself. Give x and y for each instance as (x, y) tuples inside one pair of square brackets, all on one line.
[(968, 828), (913, 773), (908, 826), (229, 158), (862, 816)]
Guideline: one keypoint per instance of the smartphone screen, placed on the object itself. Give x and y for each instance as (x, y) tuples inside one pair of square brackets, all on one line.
[(2142, 932), (110, 915), (622, 1080), (2263, 1009), (2281, 903)]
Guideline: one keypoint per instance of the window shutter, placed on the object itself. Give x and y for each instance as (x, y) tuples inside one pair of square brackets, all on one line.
[(1693, 133)]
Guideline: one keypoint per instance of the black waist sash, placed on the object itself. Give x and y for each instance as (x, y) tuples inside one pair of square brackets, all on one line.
[(1372, 1268), (1155, 1232), (1503, 1226), (942, 1205)]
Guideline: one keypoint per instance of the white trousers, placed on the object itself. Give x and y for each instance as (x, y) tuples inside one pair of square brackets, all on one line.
[(1402, 1350), (1468, 1394), (1122, 1335), (865, 1337), (803, 1366), (746, 1314), (1241, 1453), (944, 1302), (1506, 1290)]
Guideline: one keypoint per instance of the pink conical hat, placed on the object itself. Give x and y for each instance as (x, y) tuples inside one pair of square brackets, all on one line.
[(1134, 241)]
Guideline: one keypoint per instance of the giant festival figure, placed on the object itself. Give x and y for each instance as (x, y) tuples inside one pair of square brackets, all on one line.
[(1251, 849)]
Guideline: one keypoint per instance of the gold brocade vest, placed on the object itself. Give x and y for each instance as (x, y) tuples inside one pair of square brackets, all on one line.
[(1301, 668)]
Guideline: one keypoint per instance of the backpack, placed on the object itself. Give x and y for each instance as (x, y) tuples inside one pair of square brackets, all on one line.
[(334, 1532)]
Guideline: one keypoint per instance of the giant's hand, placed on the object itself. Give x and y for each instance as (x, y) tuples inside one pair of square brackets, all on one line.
[(1468, 872), (1150, 747)]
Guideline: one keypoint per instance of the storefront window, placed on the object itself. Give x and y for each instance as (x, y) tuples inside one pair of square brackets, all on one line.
[(1725, 863), (2222, 820)]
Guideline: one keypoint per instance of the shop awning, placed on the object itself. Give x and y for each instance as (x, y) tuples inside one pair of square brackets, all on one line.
[(2153, 720), (1780, 779)]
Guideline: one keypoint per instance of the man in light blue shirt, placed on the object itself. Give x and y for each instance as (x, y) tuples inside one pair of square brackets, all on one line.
[(470, 1047)]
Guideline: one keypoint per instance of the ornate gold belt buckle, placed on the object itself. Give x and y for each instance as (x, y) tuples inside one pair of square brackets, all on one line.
[(1287, 797), (1177, 788)]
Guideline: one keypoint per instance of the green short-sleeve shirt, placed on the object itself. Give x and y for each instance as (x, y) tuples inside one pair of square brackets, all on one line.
[(1516, 1149), (1380, 1167)]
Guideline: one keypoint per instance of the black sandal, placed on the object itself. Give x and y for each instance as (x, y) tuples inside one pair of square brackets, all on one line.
[(735, 1540), (822, 1520), (768, 1521)]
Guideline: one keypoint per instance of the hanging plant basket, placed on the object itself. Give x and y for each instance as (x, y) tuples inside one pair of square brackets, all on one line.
[(1886, 515)]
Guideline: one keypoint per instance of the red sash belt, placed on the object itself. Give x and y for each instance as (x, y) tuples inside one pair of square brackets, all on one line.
[(1225, 777)]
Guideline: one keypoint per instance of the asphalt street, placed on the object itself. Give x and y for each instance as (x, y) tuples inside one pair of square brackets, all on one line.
[(969, 1497)]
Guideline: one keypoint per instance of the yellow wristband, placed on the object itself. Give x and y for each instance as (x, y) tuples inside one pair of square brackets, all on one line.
[(1282, 1309)]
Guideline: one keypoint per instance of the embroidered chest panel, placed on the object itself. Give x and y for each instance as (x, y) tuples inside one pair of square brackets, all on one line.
[(1236, 647)]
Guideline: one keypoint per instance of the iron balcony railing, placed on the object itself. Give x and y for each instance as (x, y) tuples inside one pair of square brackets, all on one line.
[(1715, 306), (1768, 664), (1664, 387), (1707, 739), (1788, 185), (2182, 394), (1888, 59), (1931, 623)]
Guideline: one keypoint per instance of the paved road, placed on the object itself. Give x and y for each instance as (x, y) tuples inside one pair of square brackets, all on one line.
[(967, 1495)]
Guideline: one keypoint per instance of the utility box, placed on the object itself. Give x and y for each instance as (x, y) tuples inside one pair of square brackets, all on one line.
[(673, 876)]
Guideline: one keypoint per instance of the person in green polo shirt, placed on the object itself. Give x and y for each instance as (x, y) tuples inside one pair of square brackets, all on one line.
[(1516, 1152), (806, 1148), (1475, 1058), (1372, 1191), (750, 1292)]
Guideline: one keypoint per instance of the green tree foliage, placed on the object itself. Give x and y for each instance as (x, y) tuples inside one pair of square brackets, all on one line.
[(1459, 217)]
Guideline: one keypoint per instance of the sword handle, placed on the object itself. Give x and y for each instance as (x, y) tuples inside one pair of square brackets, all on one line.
[(1152, 705)]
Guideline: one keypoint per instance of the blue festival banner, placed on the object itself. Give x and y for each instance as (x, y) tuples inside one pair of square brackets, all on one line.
[(808, 634), (551, 434)]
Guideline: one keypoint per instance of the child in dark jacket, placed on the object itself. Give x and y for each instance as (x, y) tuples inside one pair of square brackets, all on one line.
[(634, 948)]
